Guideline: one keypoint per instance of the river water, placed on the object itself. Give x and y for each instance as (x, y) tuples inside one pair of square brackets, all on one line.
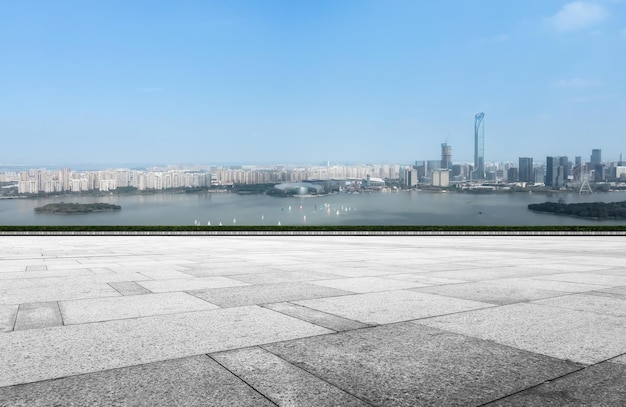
[(393, 208)]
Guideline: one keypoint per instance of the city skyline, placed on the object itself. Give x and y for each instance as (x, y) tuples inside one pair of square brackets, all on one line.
[(446, 158), (106, 83)]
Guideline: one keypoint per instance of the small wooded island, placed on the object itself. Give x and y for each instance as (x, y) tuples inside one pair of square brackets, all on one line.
[(71, 208), (592, 210)]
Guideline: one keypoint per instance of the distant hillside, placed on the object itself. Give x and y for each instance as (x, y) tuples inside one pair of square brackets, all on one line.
[(592, 210), (71, 208)]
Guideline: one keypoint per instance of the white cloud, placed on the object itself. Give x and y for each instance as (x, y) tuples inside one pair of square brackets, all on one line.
[(578, 15)]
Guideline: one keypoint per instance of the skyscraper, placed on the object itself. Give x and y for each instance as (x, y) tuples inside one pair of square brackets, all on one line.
[(596, 156), (552, 165), (556, 171), (565, 164), (479, 146), (446, 156), (526, 172)]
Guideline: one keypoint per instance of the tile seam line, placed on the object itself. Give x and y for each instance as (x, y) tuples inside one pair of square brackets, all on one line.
[(583, 367), (330, 314), (576, 309), (174, 358), (297, 318), (334, 331), (241, 379), (58, 308), (316, 376), (140, 316), (416, 321)]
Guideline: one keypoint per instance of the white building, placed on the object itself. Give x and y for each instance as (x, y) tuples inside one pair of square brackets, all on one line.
[(441, 178)]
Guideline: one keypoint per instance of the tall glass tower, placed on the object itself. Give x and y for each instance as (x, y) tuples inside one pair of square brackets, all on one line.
[(479, 146), (446, 156)]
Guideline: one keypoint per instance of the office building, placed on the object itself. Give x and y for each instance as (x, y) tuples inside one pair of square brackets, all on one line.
[(563, 162), (512, 175), (596, 156), (479, 146), (526, 172), (446, 156), (556, 171)]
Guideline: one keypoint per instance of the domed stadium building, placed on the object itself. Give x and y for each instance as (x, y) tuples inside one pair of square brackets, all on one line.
[(298, 188)]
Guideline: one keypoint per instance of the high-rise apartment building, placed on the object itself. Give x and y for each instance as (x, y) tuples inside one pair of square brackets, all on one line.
[(526, 172), (441, 178), (479, 146)]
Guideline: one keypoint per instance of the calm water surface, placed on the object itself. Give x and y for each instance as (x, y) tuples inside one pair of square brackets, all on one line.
[(397, 208)]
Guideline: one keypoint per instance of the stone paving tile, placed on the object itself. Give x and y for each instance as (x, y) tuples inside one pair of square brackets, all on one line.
[(391, 306), (7, 268), (367, 284), (586, 278), (129, 288), (570, 267), (193, 381), (579, 336), (490, 293), (282, 382), (102, 261), (42, 354), (273, 277), (56, 293), (38, 315), (611, 272), (135, 306), (265, 294), (620, 360), (69, 280), (189, 283), (165, 274), (44, 274), (63, 265), (491, 273), (590, 303), (424, 279), (619, 292), (410, 365), (37, 267), (7, 317), (100, 270), (598, 385), (551, 285), (436, 266), (363, 271), (322, 319), (216, 270)]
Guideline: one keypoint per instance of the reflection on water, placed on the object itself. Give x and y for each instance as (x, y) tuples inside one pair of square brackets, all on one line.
[(400, 208)]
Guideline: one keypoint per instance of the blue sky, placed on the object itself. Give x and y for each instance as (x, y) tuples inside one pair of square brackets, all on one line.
[(272, 81)]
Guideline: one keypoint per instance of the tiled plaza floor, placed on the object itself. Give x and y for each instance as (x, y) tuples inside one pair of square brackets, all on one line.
[(312, 320)]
